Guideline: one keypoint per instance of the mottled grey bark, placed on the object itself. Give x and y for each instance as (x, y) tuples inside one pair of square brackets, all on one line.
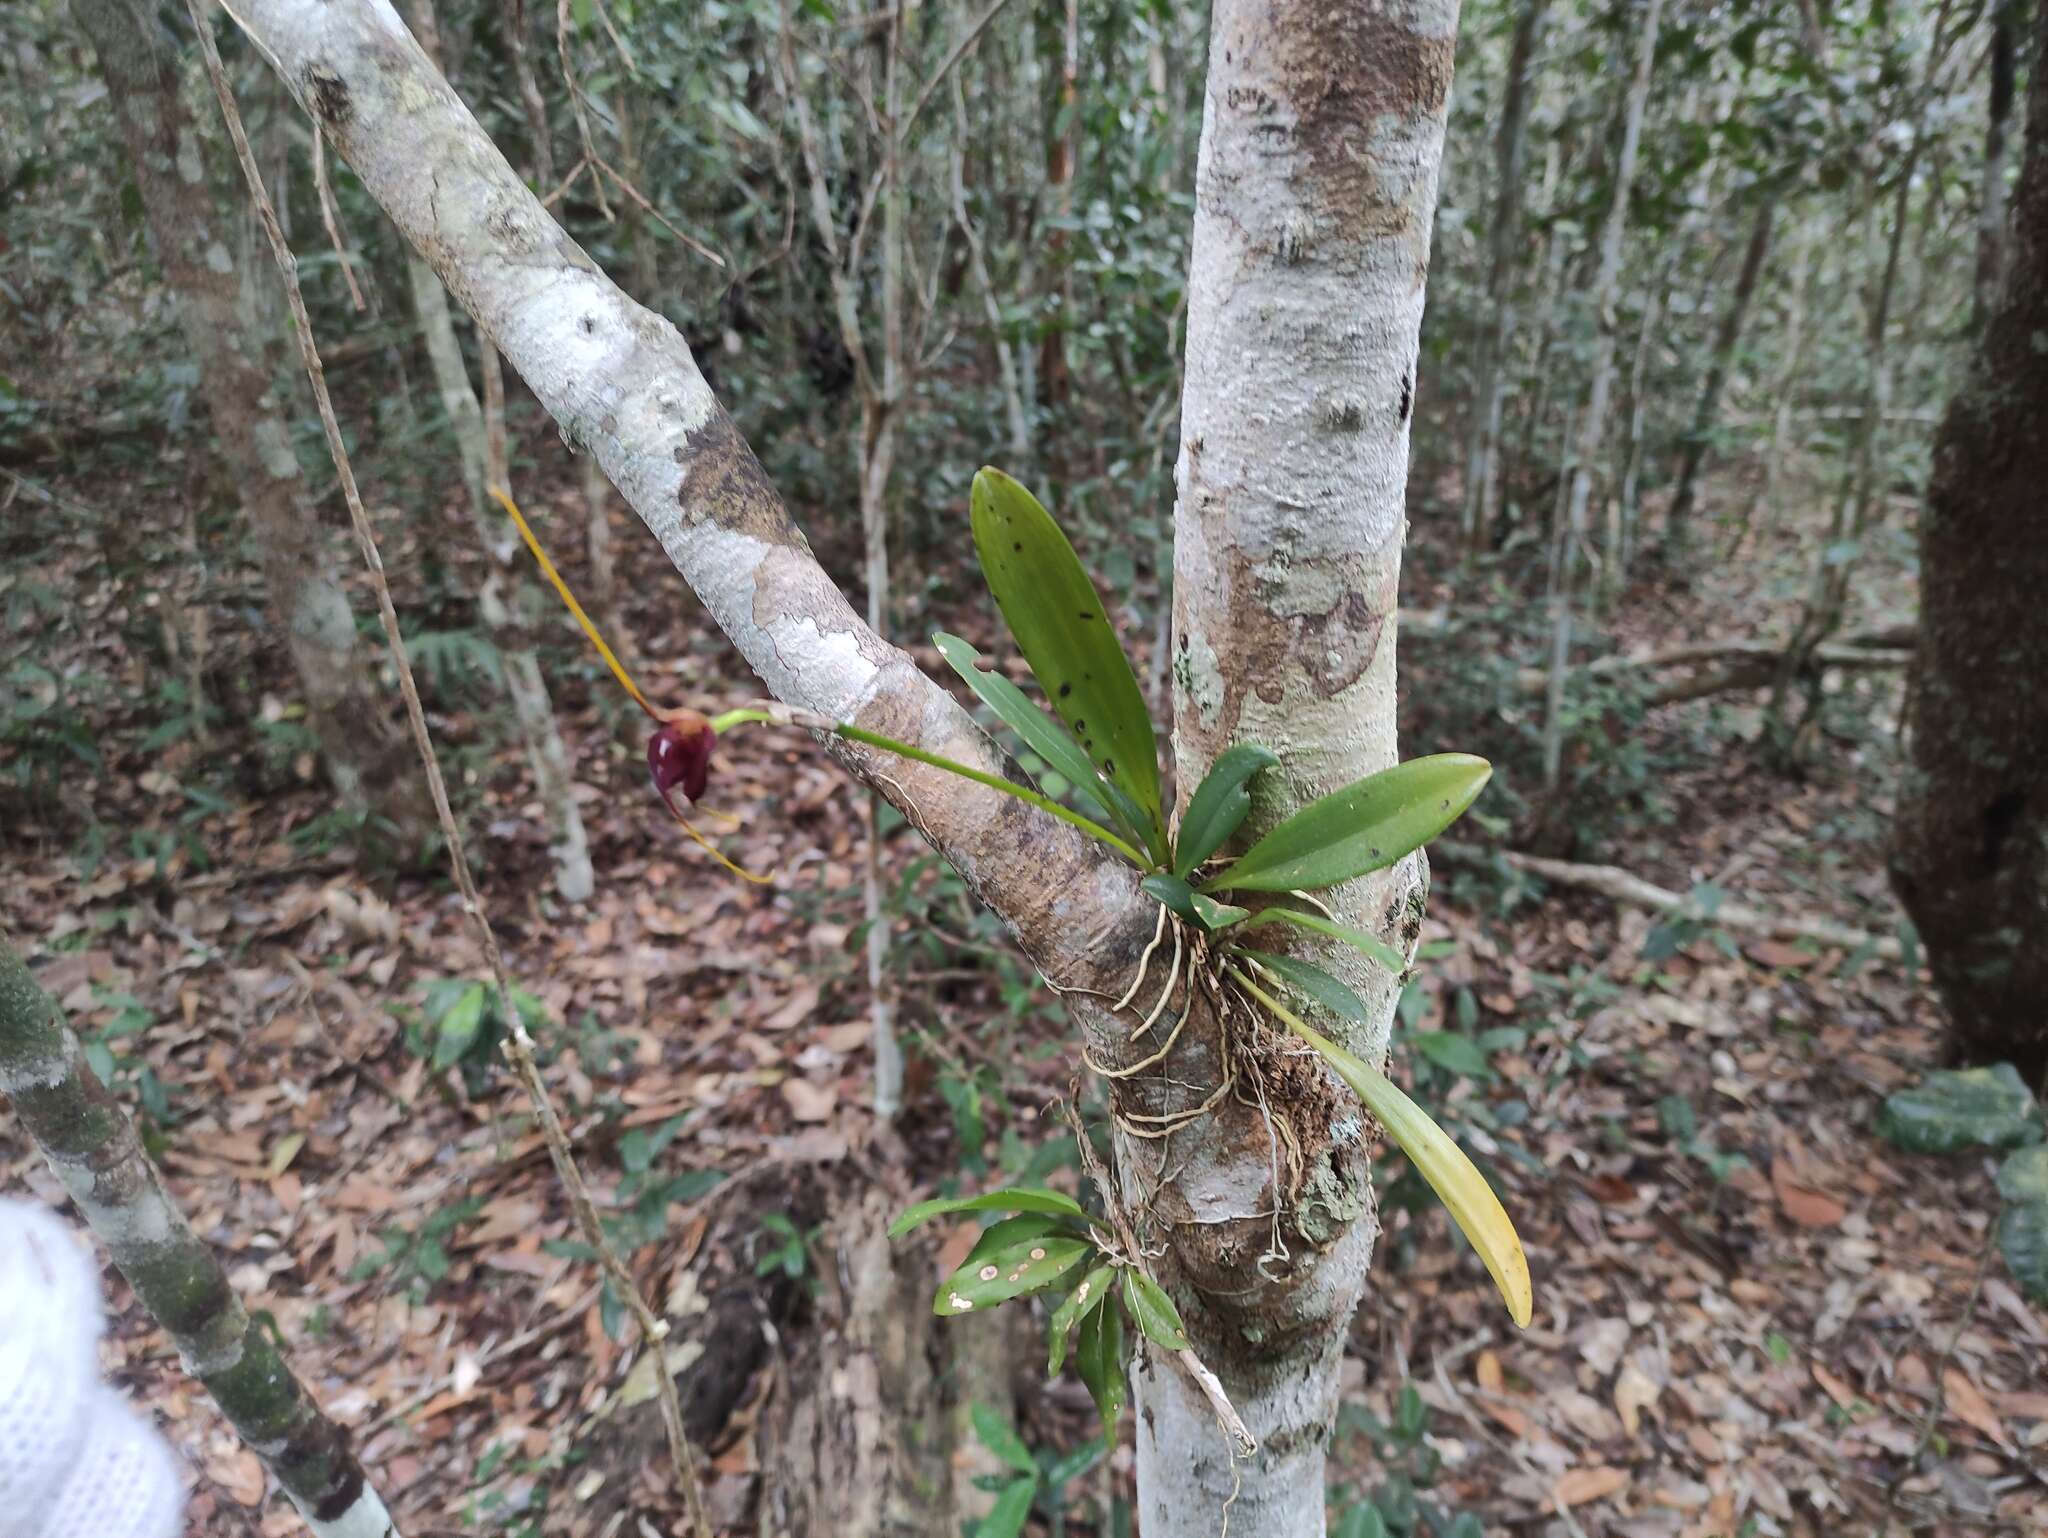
[(171, 161), (1315, 194), (91, 1144)]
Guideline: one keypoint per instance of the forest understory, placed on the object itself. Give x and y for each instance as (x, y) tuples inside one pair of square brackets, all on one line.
[(1753, 1314)]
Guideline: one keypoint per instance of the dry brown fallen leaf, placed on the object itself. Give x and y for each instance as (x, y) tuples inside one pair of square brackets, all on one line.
[(1804, 1205), (1486, 1372), (1583, 1485), (1834, 1387), (1967, 1404)]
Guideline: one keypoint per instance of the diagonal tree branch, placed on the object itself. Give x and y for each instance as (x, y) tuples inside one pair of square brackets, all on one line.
[(620, 381)]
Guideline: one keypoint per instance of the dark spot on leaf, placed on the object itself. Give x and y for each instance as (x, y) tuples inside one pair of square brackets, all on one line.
[(1109, 767), (1065, 690), (1087, 614), (1019, 545)]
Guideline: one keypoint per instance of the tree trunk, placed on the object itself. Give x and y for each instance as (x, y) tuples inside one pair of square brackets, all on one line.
[(1482, 468), (504, 596), (1014, 413), (1796, 341), (1315, 193), (879, 409), (1991, 199), (1835, 562), (362, 755), (92, 1146), (1678, 522), (1320, 152), (1593, 424), (1063, 137), (1970, 843)]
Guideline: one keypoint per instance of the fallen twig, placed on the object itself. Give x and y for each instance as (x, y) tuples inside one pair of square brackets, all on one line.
[(1614, 882)]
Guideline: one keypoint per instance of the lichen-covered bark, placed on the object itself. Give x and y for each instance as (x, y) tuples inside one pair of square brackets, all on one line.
[(1970, 843), (170, 161), (90, 1143), (1316, 188), (620, 381)]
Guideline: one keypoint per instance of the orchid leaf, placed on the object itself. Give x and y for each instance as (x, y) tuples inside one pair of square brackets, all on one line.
[(1219, 805), (1312, 982), (1153, 1310), (1366, 826), (1099, 1358), (1060, 625), (1041, 734), (1463, 1190), (1191, 905), (1008, 1199), (1094, 1287), (1371, 946), (1032, 1265), (1044, 803)]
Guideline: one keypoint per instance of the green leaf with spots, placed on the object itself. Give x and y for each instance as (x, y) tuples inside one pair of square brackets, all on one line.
[(1312, 982), (1012, 1232), (1148, 1304), (1219, 805), (2023, 1240), (1095, 1286), (1371, 946), (1099, 1358), (1008, 1199), (1366, 826), (1042, 735), (997, 1277), (1058, 621)]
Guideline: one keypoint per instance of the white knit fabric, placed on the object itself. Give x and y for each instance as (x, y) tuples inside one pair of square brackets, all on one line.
[(75, 1461)]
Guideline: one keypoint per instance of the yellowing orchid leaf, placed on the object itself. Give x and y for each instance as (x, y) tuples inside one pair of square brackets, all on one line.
[(1456, 1181)]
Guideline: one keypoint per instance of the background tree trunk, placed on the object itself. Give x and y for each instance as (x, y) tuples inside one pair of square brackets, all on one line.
[(1592, 436), (1991, 198), (360, 752), (1678, 522), (1315, 193), (1482, 468), (1970, 843)]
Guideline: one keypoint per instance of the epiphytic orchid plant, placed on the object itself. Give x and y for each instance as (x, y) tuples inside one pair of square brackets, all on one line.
[(1103, 748)]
